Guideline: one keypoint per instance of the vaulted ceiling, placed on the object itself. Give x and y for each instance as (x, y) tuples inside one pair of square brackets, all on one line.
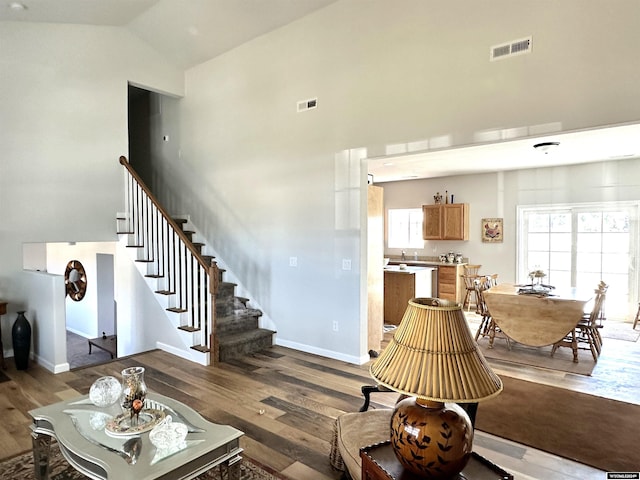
[(189, 32)]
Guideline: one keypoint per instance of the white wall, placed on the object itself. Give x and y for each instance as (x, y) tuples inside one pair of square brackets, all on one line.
[(45, 311), (63, 112), (82, 316), (262, 180)]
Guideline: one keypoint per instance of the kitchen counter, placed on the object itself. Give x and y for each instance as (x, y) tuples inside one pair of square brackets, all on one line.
[(408, 269), (447, 283), (400, 286), (421, 263)]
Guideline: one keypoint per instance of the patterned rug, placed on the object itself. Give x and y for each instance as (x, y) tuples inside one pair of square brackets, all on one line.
[(21, 468)]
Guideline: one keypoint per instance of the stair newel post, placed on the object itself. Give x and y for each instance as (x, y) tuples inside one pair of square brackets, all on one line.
[(214, 283)]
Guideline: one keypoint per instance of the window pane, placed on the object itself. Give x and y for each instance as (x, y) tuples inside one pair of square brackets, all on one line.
[(538, 241), (539, 222), (616, 222), (615, 263), (560, 222), (560, 261), (538, 261), (415, 229), (589, 242), (559, 278), (560, 242), (588, 262), (590, 222), (588, 281), (616, 242), (405, 228), (618, 285)]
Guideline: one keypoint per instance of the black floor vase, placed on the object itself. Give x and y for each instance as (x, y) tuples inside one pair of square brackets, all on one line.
[(21, 336)]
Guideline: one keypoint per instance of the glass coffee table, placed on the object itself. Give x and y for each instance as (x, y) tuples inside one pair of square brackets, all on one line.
[(92, 445)]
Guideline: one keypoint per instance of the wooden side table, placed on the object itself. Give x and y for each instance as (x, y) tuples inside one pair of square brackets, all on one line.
[(3, 311), (380, 463), (107, 343)]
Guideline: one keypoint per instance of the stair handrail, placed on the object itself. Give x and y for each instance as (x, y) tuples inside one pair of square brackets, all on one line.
[(165, 214)]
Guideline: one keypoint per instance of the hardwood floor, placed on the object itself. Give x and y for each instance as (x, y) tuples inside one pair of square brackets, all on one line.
[(285, 402)]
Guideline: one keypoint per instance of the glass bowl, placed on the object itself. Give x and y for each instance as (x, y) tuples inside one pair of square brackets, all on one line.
[(105, 391), (168, 434)]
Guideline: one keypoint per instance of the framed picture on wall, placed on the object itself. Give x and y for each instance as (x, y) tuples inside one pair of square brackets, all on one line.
[(492, 230)]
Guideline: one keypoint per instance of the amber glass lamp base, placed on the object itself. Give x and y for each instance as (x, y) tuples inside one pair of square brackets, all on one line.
[(432, 439)]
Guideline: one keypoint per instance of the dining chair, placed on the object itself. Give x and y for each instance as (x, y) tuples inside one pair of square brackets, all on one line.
[(488, 327), (471, 269), (470, 291), (589, 327), (586, 335), (635, 322), (469, 274)]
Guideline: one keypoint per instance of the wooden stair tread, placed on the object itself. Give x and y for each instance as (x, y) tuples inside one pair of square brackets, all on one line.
[(177, 310), (188, 328), (125, 233), (165, 292), (201, 348)]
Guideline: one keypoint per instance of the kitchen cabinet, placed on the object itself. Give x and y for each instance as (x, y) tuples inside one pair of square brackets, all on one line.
[(445, 221), (450, 282), (400, 286)]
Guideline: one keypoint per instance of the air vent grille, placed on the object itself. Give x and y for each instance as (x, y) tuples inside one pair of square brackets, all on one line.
[(304, 105), (511, 49)]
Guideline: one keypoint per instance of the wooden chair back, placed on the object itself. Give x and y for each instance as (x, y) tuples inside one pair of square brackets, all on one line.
[(470, 269)]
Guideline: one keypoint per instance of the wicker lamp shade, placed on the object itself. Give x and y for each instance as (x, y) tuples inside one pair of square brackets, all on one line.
[(433, 356)]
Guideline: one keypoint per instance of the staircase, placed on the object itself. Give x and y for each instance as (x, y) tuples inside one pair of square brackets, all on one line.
[(189, 283)]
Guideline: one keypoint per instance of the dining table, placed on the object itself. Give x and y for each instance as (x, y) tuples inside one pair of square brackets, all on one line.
[(536, 317)]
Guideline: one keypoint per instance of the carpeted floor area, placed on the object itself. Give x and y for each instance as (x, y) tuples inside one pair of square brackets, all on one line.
[(78, 352), (592, 430)]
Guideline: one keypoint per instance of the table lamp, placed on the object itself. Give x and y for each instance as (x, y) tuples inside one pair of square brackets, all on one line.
[(433, 359)]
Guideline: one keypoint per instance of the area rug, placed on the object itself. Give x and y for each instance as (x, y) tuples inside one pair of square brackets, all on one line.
[(592, 430), (539, 357), (21, 468), (619, 331)]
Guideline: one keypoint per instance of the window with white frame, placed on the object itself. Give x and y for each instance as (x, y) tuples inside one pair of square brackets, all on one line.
[(579, 245), (404, 228)]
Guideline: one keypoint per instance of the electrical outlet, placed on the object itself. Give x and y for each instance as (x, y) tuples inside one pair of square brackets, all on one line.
[(346, 264), (335, 325), (293, 261)]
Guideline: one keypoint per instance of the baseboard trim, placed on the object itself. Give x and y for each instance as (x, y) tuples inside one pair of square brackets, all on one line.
[(323, 352)]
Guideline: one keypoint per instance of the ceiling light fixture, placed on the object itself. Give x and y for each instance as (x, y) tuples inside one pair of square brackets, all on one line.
[(17, 6), (546, 147)]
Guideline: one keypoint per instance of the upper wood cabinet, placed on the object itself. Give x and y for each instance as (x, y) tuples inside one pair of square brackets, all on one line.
[(445, 221)]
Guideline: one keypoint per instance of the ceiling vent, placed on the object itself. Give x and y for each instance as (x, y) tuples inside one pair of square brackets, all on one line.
[(511, 49), (304, 105)]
